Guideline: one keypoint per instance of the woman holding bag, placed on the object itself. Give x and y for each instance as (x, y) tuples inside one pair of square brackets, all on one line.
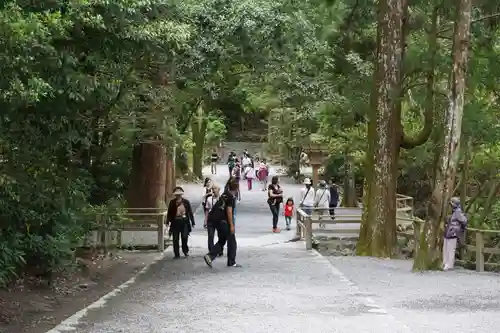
[(181, 219)]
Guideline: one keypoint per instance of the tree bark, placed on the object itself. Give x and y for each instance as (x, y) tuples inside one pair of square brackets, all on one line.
[(425, 133), (350, 199), (378, 228), (465, 173), (148, 176), (430, 243), (170, 182), (198, 129)]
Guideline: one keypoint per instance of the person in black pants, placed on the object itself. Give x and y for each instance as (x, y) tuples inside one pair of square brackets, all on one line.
[(214, 158), (221, 217), (181, 219), (334, 197), (211, 202), (275, 198)]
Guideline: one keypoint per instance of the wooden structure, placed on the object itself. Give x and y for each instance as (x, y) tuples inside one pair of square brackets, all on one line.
[(478, 247), (306, 222), (109, 227), (404, 204), (476, 244), (317, 153)]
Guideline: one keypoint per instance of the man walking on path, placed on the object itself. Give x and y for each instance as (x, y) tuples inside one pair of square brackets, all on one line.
[(334, 197), (214, 158), (231, 162), (221, 217)]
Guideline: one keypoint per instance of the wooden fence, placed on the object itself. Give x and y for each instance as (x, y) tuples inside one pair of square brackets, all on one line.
[(476, 244), (111, 225)]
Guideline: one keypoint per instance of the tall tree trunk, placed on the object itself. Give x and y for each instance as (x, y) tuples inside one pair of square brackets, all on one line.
[(465, 173), (429, 254), (170, 182), (198, 129), (350, 199), (378, 228), (148, 176)]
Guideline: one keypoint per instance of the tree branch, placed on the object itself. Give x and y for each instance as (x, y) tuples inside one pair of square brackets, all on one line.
[(479, 19), (423, 136)]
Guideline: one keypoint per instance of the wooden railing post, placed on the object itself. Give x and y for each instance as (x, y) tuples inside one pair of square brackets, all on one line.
[(308, 233), (416, 237), (298, 231), (161, 233), (479, 251)]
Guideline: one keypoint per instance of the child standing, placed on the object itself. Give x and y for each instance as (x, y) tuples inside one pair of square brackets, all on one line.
[(288, 212)]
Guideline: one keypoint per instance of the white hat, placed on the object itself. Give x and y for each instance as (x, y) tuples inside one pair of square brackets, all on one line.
[(178, 191), (307, 181)]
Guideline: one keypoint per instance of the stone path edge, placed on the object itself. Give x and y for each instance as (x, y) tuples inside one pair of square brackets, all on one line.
[(368, 301), (70, 324)]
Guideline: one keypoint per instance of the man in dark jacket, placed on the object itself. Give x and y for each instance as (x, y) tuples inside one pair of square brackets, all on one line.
[(334, 197), (181, 219), (231, 162)]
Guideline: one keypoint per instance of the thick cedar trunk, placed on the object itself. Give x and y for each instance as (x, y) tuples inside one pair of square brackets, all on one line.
[(148, 175), (170, 182), (429, 254), (350, 199), (378, 228)]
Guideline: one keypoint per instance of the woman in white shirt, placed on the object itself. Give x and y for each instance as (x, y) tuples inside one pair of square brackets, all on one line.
[(249, 176), (207, 193), (322, 200), (306, 202)]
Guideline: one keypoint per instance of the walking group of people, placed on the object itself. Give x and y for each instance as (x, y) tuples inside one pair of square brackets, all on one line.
[(248, 168), (220, 212), (219, 207), (322, 200)]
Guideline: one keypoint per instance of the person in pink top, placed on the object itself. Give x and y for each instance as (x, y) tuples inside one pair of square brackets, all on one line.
[(263, 173), (249, 176)]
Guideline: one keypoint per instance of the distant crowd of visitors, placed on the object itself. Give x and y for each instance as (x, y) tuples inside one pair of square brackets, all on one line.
[(219, 207)]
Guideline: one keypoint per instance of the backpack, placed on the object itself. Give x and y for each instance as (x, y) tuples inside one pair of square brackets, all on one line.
[(218, 211), (237, 172), (455, 225)]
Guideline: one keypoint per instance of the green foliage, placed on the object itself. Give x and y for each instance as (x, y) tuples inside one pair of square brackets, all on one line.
[(83, 82)]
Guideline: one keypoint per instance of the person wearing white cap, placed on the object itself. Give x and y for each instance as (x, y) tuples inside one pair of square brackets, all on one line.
[(306, 202)]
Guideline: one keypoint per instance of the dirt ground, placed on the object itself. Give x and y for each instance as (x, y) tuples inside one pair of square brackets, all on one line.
[(32, 306)]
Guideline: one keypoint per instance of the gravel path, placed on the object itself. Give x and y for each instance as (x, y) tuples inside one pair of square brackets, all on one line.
[(282, 288)]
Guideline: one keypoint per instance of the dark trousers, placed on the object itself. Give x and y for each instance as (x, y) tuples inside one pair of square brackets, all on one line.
[(211, 235), (180, 233), (230, 171), (332, 209), (225, 236), (275, 210)]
